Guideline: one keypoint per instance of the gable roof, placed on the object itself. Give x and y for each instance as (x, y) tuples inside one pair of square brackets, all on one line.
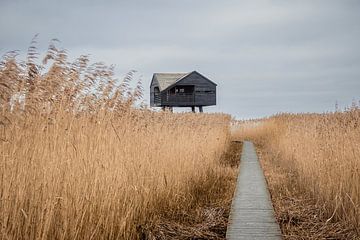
[(167, 79)]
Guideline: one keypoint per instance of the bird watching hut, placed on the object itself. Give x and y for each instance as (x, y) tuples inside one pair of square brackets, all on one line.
[(168, 90)]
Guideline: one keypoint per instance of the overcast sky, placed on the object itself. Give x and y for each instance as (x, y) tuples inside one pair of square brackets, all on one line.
[(266, 56)]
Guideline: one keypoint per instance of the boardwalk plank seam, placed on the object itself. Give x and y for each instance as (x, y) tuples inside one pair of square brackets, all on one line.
[(252, 214)]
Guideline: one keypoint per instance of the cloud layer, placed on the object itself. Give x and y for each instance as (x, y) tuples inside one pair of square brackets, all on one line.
[(266, 56)]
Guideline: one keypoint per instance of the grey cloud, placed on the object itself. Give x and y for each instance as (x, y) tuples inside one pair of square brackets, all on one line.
[(266, 55)]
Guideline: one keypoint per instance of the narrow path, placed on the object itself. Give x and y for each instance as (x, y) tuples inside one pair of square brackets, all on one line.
[(252, 213)]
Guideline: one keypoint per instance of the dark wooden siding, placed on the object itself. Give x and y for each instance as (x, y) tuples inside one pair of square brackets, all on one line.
[(179, 100), (153, 102), (197, 80), (204, 93), (205, 99)]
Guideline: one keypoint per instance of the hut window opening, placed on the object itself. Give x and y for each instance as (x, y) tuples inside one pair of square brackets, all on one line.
[(180, 90)]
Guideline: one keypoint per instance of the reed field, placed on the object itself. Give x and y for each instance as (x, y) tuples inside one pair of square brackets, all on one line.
[(81, 158), (312, 164)]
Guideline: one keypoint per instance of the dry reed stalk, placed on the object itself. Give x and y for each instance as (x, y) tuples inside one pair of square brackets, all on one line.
[(79, 161), (320, 153)]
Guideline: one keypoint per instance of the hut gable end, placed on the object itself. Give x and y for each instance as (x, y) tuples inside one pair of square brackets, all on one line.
[(196, 79), (154, 82)]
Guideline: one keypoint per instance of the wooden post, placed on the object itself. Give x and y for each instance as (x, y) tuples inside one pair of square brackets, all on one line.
[(201, 109), (193, 109)]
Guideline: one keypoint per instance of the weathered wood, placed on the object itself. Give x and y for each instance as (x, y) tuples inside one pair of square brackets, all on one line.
[(197, 90), (252, 213)]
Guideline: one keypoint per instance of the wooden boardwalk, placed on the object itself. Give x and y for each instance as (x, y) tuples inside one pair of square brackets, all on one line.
[(252, 213)]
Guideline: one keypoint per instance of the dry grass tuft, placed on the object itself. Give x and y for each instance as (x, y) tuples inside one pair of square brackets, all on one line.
[(208, 217), (299, 214), (313, 169), (79, 161)]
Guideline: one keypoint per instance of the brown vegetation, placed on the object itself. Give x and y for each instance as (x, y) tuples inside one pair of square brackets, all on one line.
[(313, 170), (79, 161)]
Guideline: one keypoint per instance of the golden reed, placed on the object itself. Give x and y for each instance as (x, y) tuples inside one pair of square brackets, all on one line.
[(79, 161), (322, 151)]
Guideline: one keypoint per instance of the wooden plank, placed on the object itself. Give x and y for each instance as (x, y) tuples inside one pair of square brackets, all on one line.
[(252, 214)]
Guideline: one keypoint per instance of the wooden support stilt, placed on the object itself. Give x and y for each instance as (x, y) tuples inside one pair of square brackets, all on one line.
[(201, 109), (193, 109)]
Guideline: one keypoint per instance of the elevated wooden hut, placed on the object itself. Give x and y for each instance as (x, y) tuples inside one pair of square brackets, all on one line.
[(168, 90)]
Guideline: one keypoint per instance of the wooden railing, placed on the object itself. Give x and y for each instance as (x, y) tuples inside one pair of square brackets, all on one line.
[(184, 98)]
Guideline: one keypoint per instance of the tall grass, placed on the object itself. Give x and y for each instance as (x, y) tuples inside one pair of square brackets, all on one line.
[(79, 161), (322, 153)]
